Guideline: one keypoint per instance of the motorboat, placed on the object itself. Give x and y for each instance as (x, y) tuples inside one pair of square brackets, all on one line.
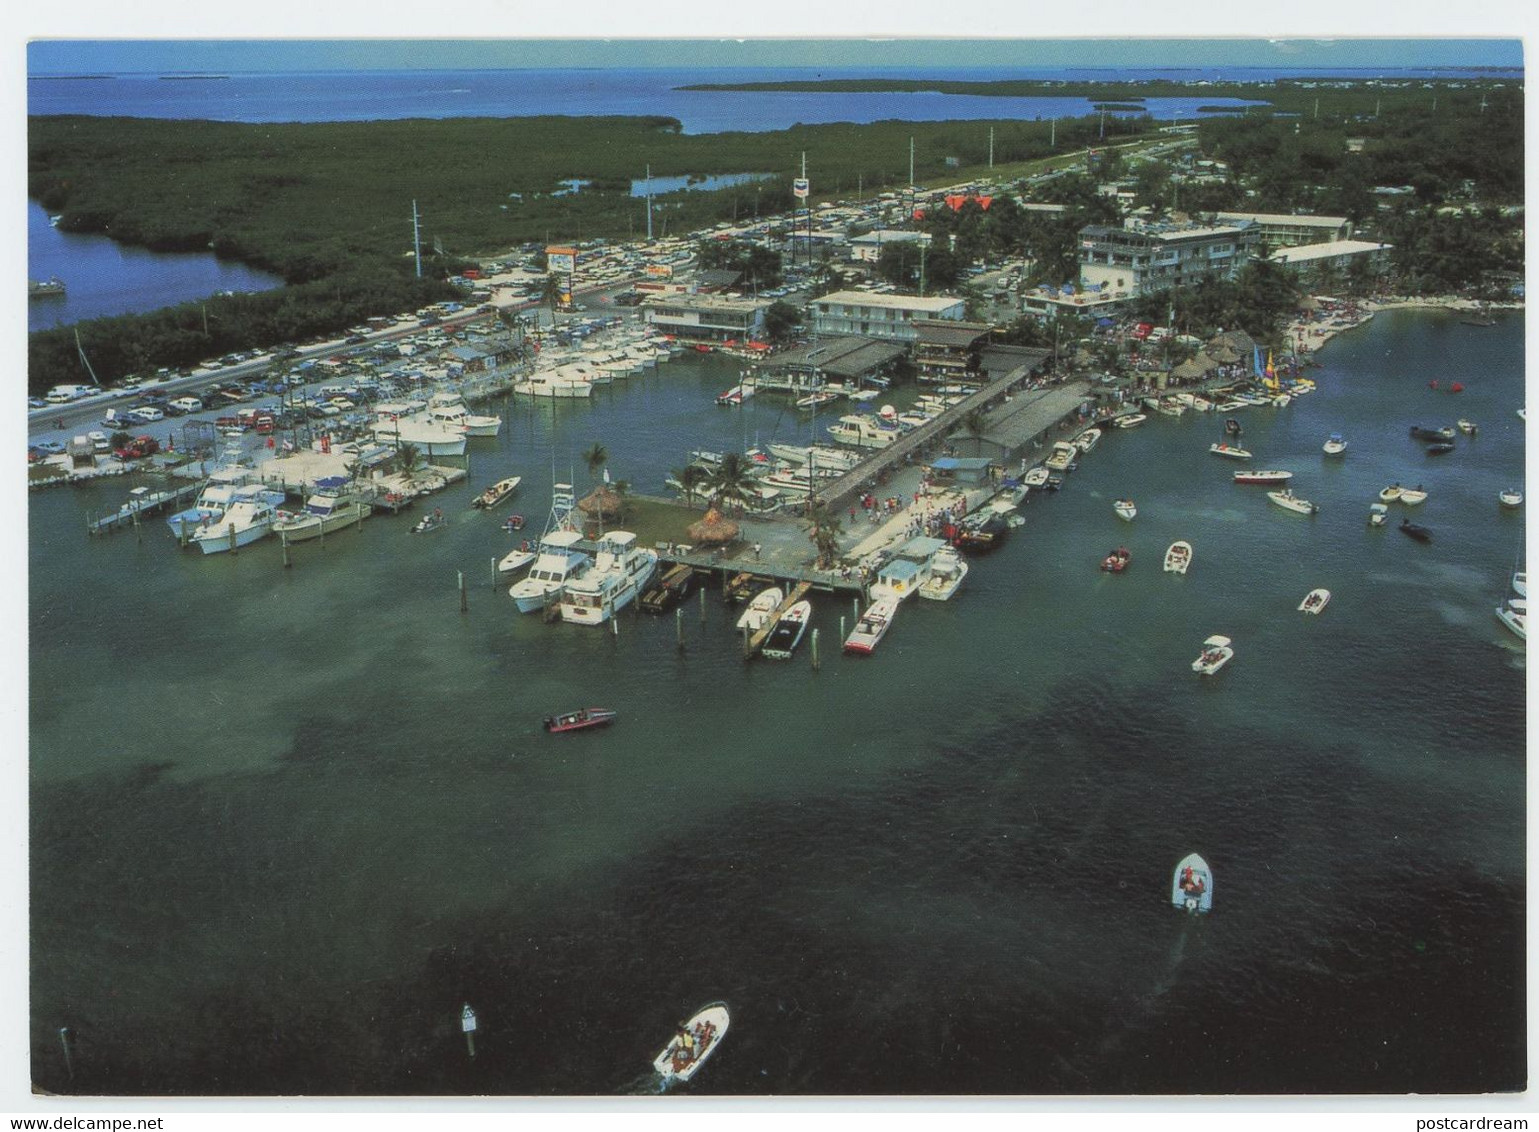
[(872, 626), (1467, 427), (1061, 457), (430, 523), (1216, 652), (1441, 448), (815, 400), (1130, 420), (1264, 475), (513, 524), (908, 570), (947, 569), (1037, 477), (1088, 439), (559, 382), (1433, 434), (1233, 427), (1378, 513), (580, 720), (1411, 496), (1335, 445), (1390, 493), (620, 571), (817, 456), (671, 588), (1513, 613), (761, 609), (1117, 560), (516, 559), (864, 431), (1231, 451), (497, 492), (1520, 583), (1290, 502), (397, 425), (243, 522), (224, 487), (1178, 557), (1315, 601), (1415, 531), (1191, 889), (788, 630), (557, 562), (332, 507), (695, 1041), (1510, 497), (980, 533), (1125, 510)]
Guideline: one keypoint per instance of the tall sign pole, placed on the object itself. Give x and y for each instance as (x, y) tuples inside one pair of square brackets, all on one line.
[(802, 190), (649, 204), (416, 238)]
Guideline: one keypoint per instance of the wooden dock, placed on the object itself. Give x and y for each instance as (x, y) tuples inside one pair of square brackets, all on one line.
[(755, 642), (148, 503)]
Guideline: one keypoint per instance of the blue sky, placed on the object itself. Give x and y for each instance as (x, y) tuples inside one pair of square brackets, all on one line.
[(105, 56)]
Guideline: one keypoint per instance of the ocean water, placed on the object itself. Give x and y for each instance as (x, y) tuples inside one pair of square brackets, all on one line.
[(286, 822)]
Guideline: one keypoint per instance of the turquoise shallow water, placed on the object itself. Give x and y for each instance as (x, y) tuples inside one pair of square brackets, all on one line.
[(285, 822)]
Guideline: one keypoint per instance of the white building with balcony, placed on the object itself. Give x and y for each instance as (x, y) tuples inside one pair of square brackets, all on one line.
[(1125, 262), (707, 316), (887, 317)]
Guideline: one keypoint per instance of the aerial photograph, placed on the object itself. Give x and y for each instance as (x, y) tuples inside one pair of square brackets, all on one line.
[(774, 568)]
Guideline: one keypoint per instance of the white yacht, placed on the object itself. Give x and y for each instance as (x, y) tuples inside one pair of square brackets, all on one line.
[(557, 563), (224, 487), (911, 566), (448, 409), (620, 571), (864, 431), (562, 382), (332, 507), (392, 425), (243, 522)]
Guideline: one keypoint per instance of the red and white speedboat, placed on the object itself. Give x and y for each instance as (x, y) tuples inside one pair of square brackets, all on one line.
[(872, 626), (1266, 475), (694, 1041), (580, 720)]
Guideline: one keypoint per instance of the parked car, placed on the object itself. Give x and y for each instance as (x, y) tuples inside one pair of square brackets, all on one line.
[(184, 405), (145, 414), (138, 448), (48, 447)]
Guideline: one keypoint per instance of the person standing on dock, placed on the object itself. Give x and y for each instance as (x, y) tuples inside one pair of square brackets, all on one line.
[(756, 548)]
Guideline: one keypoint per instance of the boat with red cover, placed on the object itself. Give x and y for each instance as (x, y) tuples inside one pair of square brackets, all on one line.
[(580, 720), (1117, 561)]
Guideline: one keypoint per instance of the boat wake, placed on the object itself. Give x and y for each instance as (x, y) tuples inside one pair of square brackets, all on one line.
[(645, 1085)]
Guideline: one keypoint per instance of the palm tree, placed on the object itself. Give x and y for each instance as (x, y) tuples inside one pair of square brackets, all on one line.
[(692, 481), (596, 457), (825, 532), (732, 480), (551, 294), (407, 459)]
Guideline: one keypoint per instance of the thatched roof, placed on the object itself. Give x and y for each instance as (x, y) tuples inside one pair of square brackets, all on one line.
[(714, 528), (603, 502), (1195, 366)]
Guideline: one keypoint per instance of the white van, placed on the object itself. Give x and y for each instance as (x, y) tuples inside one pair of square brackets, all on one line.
[(63, 394), (187, 404)]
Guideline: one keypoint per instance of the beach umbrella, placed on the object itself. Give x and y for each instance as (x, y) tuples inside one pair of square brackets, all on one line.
[(714, 528)]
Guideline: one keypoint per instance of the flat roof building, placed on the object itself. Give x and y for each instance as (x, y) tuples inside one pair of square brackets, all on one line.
[(707, 316), (1124, 262), (889, 317), (1282, 230), (1312, 261), (868, 247)]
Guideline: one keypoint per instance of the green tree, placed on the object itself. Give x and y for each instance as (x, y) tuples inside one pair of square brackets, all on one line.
[(595, 457), (693, 481), (780, 320), (408, 460), (550, 293), (731, 481), (825, 531)]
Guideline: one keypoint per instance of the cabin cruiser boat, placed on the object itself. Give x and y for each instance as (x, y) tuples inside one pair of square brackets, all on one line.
[(864, 431), (243, 522), (430, 437), (1290, 502), (814, 455), (224, 486), (1520, 583), (761, 609), (557, 562), (448, 409), (872, 626), (947, 569), (1314, 601), (1216, 652), (980, 532), (1378, 514), (332, 507), (561, 382), (1178, 557), (619, 573)]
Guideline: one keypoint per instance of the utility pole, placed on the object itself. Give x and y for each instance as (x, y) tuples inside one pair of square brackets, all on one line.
[(649, 204), (991, 147), (416, 237), (1052, 138)]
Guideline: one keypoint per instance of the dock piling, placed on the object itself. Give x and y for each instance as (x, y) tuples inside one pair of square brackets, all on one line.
[(232, 538), (817, 662), (678, 626), (283, 541), (463, 605), (69, 1062), (494, 573)]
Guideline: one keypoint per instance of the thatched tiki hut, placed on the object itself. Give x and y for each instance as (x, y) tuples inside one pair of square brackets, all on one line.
[(713, 530), (603, 502)]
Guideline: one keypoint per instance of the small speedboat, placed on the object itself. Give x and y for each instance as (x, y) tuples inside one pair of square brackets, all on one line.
[(1390, 493), (1411, 496), (1125, 510), (1264, 475), (1216, 652), (1378, 514), (1514, 614), (1335, 445), (1117, 561), (1233, 427), (1415, 530), (871, 627), (579, 720), (787, 633), (497, 492), (1314, 601), (1037, 477), (1433, 434), (693, 1042), (1290, 502), (1467, 427), (1178, 557), (1191, 889), (760, 609), (1441, 448), (513, 523), (430, 523), (1520, 583), (1132, 420), (1232, 451), (516, 559), (1511, 497)]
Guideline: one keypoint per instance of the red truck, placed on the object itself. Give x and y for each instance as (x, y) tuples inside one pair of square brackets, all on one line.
[(138, 448)]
